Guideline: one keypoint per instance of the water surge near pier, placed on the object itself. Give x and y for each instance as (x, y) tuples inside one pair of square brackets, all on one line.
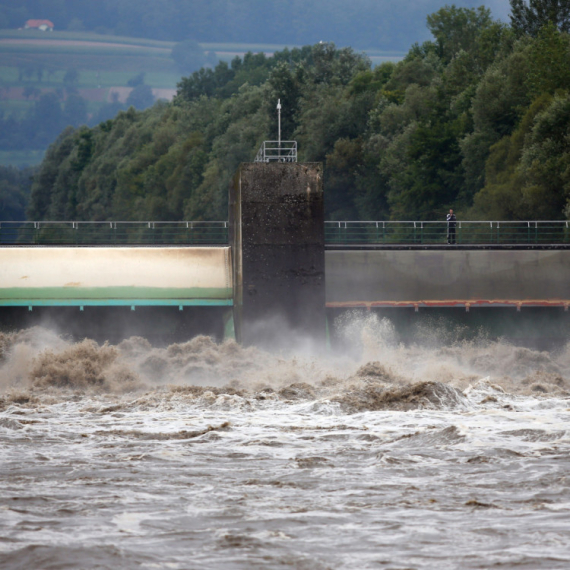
[(436, 453)]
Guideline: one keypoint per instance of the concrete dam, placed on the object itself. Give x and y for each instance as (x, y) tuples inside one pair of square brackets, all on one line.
[(277, 270)]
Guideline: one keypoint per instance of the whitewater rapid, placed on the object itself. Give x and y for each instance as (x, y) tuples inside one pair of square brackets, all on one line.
[(213, 456)]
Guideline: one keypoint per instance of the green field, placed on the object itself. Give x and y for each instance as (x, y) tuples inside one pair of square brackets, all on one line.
[(124, 55), (88, 78), (39, 61), (56, 53), (127, 56)]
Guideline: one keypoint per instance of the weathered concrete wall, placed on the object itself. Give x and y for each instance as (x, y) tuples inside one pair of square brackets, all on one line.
[(412, 276), (114, 276), (277, 236)]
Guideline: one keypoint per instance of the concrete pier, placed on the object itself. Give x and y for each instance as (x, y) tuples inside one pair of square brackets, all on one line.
[(277, 239)]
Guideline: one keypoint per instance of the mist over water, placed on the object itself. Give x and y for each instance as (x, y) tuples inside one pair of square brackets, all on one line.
[(447, 451)]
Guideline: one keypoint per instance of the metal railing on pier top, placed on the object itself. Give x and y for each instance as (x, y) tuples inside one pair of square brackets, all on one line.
[(277, 151), (349, 233), (466, 233), (114, 233)]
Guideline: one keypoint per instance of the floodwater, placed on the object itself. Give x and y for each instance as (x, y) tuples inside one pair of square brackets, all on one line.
[(213, 456)]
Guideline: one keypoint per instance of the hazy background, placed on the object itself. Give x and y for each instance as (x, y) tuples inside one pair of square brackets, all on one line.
[(105, 56), (359, 23)]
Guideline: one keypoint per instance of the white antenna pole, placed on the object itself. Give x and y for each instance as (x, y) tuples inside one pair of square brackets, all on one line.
[(279, 125)]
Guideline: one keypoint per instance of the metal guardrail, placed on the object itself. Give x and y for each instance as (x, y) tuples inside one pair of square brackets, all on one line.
[(336, 233), (277, 151), (466, 233), (113, 233)]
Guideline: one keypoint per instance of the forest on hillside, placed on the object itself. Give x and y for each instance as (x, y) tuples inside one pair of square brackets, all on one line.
[(476, 119), (361, 23)]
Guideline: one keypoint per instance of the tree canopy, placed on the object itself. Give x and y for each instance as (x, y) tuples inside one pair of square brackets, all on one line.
[(529, 17), (475, 120)]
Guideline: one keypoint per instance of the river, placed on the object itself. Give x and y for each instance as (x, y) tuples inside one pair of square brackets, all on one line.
[(205, 455)]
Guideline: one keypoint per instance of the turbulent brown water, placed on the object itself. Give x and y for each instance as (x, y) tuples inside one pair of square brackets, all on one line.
[(442, 454)]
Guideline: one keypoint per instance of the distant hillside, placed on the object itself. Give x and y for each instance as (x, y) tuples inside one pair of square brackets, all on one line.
[(362, 24), (105, 56), (51, 80), (85, 78)]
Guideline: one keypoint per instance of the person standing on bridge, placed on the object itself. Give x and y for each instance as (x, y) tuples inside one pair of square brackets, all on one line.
[(451, 223)]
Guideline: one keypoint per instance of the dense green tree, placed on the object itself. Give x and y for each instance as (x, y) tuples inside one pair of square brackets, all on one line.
[(432, 180), (225, 80), (549, 61), (205, 82), (500, 97), (372, 79), (457, 29), (545, 162), (529, 17), (503, 197)]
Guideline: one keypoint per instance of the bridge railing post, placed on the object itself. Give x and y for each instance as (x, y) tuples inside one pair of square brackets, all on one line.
[(528, 232)]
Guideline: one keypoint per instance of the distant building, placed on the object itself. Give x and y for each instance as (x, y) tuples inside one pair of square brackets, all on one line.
[(43, 25)]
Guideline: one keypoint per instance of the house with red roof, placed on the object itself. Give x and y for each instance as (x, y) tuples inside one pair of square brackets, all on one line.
[(43, 25)]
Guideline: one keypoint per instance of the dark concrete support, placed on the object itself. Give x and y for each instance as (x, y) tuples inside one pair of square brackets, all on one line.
[(277, 238)]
